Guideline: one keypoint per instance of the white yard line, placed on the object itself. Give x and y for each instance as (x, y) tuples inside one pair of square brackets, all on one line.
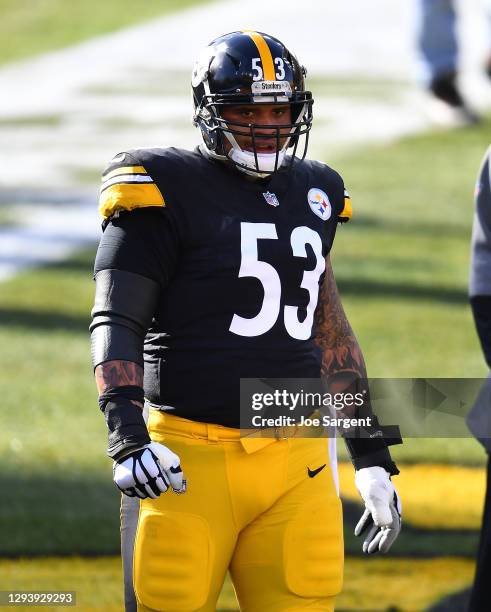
[(63, 114)]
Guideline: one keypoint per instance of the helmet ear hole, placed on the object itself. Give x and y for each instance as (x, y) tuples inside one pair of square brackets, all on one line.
[(210, 136)]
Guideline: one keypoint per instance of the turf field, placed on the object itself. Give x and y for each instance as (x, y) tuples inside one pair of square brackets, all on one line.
[(403, 263), (402, 269), (97, 582), (29, 27)]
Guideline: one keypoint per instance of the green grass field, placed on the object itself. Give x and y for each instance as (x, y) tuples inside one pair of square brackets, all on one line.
[(7, 218), (402, 268), (402, 265), (371, 584), (29, 27)]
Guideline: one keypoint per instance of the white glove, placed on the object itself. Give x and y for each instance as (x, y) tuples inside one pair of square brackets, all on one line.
[(148, 472), (382, 516)]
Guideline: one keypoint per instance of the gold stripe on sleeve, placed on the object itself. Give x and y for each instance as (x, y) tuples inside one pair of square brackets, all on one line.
[(347, 211), (129, 196), (124, 170)]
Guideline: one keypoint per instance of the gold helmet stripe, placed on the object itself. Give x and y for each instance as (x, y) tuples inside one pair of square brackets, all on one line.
[(265, 54)]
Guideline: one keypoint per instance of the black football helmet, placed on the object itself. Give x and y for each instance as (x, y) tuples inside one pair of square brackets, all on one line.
[(250, 67)]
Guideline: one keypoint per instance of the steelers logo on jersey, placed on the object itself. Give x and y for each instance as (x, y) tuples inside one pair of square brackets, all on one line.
[(319, 203)]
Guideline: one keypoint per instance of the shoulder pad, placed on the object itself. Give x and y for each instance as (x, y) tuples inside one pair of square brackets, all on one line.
[(126, 185), (347, 212)]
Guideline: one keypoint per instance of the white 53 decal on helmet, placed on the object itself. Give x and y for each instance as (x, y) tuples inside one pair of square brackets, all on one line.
[(319, 203)]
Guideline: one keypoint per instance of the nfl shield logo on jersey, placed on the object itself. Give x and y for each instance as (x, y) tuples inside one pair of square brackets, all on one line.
[(271, 198), (319, 203)]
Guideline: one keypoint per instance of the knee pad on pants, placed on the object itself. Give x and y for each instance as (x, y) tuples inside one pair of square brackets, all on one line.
[(313, 550), (172, 560)]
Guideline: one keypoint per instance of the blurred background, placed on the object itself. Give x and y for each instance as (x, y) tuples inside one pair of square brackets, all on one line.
[(81, 81)]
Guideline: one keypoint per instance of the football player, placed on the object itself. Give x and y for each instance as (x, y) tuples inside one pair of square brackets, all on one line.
[(214, 266)]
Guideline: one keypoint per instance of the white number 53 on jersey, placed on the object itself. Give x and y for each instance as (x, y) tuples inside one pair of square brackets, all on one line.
[(270, 309)]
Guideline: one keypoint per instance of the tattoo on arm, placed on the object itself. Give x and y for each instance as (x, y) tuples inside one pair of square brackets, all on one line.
[(112, 374), (342, 359)]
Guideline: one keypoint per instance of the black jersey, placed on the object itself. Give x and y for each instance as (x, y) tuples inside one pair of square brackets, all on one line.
[(239, 263)]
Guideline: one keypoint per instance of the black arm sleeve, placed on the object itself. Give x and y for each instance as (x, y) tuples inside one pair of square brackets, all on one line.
[(481, 309), (136, 259), (124, 306)]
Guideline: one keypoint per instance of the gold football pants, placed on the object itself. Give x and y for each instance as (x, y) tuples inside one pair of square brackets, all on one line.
[(252, 508)]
